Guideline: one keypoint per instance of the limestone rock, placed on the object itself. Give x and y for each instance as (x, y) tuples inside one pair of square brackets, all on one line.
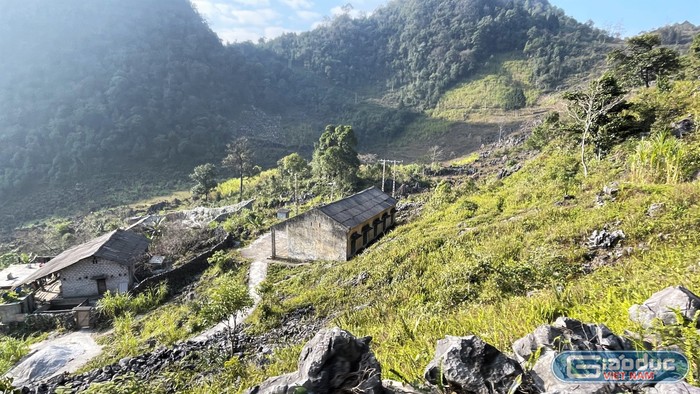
[(661, 305), (569, 334), (470, 365), (333, 361), (672, 388)]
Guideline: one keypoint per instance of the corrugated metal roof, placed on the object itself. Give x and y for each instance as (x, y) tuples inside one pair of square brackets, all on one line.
[(358, 208), (120, 246)]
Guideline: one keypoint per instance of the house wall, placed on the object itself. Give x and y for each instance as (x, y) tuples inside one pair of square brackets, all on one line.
[(314, 236), (78, 280), (359, 242), (16, 311)]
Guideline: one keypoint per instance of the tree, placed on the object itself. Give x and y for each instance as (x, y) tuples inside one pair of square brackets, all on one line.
[(694, 56), (293, 164), (643, 60), (589, 109), (204, 175), (239, 157), (335, 158), (225, 300)]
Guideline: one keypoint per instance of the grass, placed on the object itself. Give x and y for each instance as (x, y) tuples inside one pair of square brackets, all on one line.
[(500, 261), (490, 90), (139, 328), (13, 349)]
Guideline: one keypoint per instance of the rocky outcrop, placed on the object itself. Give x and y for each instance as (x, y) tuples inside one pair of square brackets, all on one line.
[(568, 334), (663, 306), (468, 365), (334, 361)]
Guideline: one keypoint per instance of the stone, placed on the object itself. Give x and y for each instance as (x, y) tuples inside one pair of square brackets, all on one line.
[(569, 334), (656, 210), (545, 381), (333, 361), (661, 305), (393, 387), (672, 388), (683, 127), (611, 189), (470, 365), (604, 239)]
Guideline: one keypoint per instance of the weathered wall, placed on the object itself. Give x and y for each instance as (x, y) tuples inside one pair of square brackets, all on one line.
[(78, 280), (187, 272), (314, 236)]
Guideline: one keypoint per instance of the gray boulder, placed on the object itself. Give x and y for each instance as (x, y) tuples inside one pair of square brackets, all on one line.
[(656, 209), (393, 387), (569, 334), (661, 306), (604, 239), (469, 365), (544, 380), (672, 388), (333, 361)]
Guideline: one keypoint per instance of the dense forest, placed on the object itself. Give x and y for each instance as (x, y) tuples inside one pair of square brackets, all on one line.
[(147, 86)]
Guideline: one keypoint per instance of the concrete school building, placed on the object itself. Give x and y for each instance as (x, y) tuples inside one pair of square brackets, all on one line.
[(337, 231)]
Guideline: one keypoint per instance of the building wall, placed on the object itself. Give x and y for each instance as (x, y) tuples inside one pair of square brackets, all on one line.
[(314, 236), (359, 242), (78, 280)]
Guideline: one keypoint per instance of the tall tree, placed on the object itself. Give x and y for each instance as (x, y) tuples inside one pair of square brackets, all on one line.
[(643, 61), (335, 158), (204, 175), (590, 109), (239, 157)]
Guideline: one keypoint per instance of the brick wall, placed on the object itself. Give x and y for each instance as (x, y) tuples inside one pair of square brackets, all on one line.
[(79, 280)]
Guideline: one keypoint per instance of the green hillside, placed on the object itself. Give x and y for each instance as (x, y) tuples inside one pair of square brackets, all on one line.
[(145, 89)]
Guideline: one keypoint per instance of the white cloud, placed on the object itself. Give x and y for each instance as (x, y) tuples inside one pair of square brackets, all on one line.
[(308, 15), (253, 3), (354, 13), (298, 4), (238, 35), (259, 17), (276, 31)]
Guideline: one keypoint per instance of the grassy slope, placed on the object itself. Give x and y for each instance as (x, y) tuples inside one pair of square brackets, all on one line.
[(499, 261), (471, 113)]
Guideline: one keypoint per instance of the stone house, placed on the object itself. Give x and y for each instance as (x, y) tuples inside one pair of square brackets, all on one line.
[(89, 270), (339, 230)]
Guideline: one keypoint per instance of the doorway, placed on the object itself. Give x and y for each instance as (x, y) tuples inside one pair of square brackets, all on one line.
[(101, 286)]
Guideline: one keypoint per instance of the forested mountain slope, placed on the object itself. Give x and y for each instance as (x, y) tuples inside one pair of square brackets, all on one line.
[(136, 93)]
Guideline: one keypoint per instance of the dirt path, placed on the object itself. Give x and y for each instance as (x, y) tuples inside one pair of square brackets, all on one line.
[(258, 252), (54, 356)]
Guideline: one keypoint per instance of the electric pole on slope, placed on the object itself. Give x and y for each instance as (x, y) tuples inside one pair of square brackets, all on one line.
[(393, 174)]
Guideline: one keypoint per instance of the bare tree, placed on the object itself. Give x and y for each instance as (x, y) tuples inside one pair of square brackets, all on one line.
[(239, 157), (588, 109)]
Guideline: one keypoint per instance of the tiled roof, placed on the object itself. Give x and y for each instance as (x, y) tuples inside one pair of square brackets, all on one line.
[(359, 208), (120, 246)]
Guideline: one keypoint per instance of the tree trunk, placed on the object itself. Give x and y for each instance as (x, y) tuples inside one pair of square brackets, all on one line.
[(583, 153), (240, 195)]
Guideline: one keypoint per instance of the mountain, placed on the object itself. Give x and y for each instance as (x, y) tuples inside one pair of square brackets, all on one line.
[(106, 102)]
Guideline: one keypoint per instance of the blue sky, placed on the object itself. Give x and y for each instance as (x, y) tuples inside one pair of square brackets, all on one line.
[(242, 20)]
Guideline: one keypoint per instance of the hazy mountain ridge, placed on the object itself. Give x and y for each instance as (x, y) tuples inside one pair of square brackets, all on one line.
[(149, 87)]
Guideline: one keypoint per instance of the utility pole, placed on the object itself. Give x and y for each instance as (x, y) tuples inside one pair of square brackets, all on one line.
[(296, 196), (393, 174)]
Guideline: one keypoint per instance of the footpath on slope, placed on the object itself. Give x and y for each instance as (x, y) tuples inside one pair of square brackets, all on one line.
[(258, 252), (54, 356)]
